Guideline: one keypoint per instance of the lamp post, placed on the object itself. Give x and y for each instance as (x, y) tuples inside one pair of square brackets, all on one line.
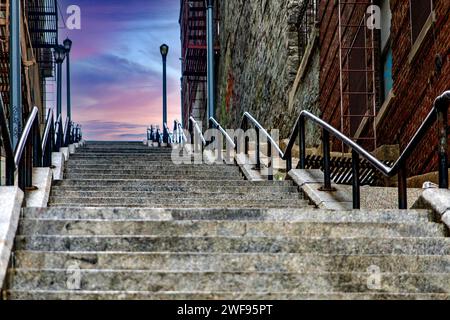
[(210, 55), (15, 74), (60, 54), (164, 52), (67, 46)]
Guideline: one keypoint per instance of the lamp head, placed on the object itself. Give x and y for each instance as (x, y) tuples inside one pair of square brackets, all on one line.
[(67, 44), (164, 50), (59, 53)]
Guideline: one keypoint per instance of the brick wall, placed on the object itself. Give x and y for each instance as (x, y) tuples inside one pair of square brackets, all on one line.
[(416, 84)]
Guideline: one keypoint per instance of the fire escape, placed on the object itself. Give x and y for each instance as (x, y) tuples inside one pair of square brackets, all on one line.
[(357, 72), (41, 35), (43, 28), (194, 56)]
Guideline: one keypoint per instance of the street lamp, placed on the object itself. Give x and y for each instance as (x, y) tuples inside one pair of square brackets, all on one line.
[(164, 52), (59, 53), (67, 46)]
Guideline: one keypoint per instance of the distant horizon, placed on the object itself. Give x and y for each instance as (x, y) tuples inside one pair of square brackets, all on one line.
[(117, 67)]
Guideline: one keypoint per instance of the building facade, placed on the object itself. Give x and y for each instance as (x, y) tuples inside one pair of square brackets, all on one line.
[(38, 35), (370, 68)]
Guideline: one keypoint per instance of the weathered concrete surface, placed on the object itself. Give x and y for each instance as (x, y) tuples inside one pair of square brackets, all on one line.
[(71, 149), (65, 152), (259, 63), (247, 168), (11, 199), (341, 199), (42, 179), (58, 163), (2, 170), (437, 200)]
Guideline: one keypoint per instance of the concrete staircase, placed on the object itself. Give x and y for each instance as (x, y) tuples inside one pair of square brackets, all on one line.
[(128, 224)]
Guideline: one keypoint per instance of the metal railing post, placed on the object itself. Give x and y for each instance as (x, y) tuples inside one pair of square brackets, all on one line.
[(302, 143), (28, 165), (270, 160), (402, 188), (356, 183), (37, 151), (442, 110), (257, 151), (326, 161), (288, 160)]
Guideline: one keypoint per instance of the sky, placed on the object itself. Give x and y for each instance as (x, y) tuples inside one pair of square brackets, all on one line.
[(116, 65)]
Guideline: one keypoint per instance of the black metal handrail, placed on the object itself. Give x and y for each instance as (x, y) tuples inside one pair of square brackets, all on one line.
[(194, 127), (59, 132), (48, 140), (66, 134), (32, 150), (169, 134), (214, 124), (7, 145), (439, 112), (180, 135), (28, 152)]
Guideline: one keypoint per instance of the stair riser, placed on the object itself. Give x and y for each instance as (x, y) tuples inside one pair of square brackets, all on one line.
[(174, 176), (167, 182), (187, 205), (207, 199), (186, 262), (253, 282), (147, 170), (228, 228), (344, 246), (169, 191), (177, 195), (242, 214), (77, 295)]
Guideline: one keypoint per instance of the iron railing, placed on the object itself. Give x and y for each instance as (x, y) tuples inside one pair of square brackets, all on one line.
[(439, 113), (178, 132), (196, 131), (10, 166), (32, 150)]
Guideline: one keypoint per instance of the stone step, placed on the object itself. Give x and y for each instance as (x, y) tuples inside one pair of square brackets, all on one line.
[(121, 149), (175, 203), (161, 170), (171, 190), (124, 149), (206, 184), (243, 214), (146, 295), (300, 245), (120, 155), (168, 163), (226, 228), (232, 282), (203, 194), (156, 176), (230, 262), (180, 198)]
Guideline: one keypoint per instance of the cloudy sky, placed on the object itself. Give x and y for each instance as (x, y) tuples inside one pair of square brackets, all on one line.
[(116, 65)]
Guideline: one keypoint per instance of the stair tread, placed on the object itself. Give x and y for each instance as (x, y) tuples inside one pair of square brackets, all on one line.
[(141, 227)]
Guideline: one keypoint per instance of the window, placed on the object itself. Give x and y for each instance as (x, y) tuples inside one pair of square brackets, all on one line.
[(420, 13), (388, 82), (386, 49)]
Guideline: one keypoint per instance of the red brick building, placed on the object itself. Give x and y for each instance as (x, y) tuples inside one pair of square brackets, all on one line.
[(378, 85)]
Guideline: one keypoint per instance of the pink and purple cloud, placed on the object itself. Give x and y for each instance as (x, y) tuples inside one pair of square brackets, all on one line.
[(117, 67)]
